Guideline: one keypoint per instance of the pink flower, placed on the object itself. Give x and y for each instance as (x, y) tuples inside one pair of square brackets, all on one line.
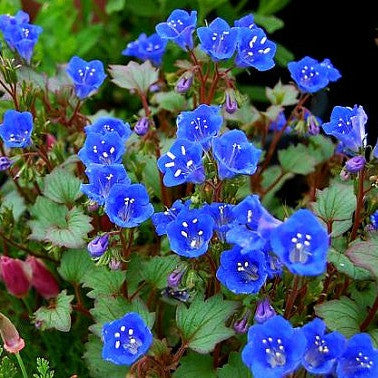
[(16, 276), (13, 343)]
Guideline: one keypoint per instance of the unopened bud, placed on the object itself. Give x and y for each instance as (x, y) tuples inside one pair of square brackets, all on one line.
[(355, 164), (5, 163), (174, 278), (98, 245), (13, 343), (16, 276), (184, 82), (230, 104), (241, 325), (264, 311), (142, 126)]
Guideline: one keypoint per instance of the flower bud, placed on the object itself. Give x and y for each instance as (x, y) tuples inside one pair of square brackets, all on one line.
[(230, 105), (355, 164), (98, 245), (241, 325), (13, 343), (114, 264), (141, 127), (92, 207), (5, 163), (16, 276), (313, 124), (344, 175), (184, 82), (174, 278), (50, 141), (154, 88), (42, 279), (264, 311)]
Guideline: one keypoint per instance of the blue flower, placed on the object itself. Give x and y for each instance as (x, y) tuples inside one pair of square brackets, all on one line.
[(105, 125), (279, 123), (98, 246), (102, 149), (360, 358), (244, 237), (190, 233), (333, 73), (128, 205), (348, 125), (101, 179), (355, 164), (182, 163), (16, 129), (218, 39), (19, 18), (301, 243), (274, 348), (86, 76), (200, 125), (255, 50), (309, 75), (222, 215), (374, 220), (242, 272), (235, 154), (147, 48), (179, 28), (246, 22), (322, 350), (126, 339)]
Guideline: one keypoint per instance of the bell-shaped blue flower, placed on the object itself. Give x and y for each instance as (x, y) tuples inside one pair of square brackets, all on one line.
[(301, 243), (7, 20), (126, 339), (200, 125), (218, 40), (179, 28), (242, 273), (333, 73), (255, 50), (223, 217), (374, 220), (128, 205), (235, 154), (147, 48), (360, 358), (16, 129), (190, 233), (101, 179), (322, 349), (247, 21), (182, 163), (274, 348), (105, 125), (348, 126), (86, 76), (309, 75), (102, 149)]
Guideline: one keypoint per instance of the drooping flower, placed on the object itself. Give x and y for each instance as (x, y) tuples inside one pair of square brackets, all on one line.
[(190, 233), (5, 163), (218, 40), (309, 75), (255, 50), (355, 164), (147, 48), (242, 272), (126, 339), (86, 76), (322, 349), (179, 28), (98, 246), (247, 21), (374, 220), (105, 149), (333, 73), (348, 125), (264, 311), (13, 343), (16, 129), (101, 179), (106, 125), (200, 125), (235, 154), (301, 243), (223, 217), (274, 348), (184, 82), (16, 276), (182, 163), (360, 359), (128, 205)]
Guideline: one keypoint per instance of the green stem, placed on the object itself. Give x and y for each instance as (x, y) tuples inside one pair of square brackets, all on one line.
[(22, 366)]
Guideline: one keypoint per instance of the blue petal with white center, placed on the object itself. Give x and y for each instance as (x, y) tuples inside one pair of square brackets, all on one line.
[(254, 49), (301, 243), (242, 272), (126, 339), (333, 73), (179, 28), (218, 40), (360, 358), (86, 76), (16, 129), (105, 125), (190, 233), (235, 154), (274, 348), (102, 149), (101, 179), (322, 349), (200, 125), (223, 217), (182, 163), (247, 21)]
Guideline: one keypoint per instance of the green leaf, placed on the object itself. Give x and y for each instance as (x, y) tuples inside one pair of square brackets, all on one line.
[(271, 6), (342, 315), (283, 95), (235, 368), (7, 368), (195, 365), (62, 186), (269, 23), (321, 148), (202, 325), (57, 315), (14, 202), (74, 265), (43, 368), (206, 6), (114, 6), (363, 293), (134, 76), (283, 55), (296, 159), (171, 101)]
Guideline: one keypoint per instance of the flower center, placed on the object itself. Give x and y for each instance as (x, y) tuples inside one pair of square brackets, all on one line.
[(317, 353), (301, 250), (248, 271), (363, 362), (345, 127), (308, 73), (127, 340), (275, 352)]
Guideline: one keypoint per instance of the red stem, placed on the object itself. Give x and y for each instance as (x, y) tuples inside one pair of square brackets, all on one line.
[(370, 316)]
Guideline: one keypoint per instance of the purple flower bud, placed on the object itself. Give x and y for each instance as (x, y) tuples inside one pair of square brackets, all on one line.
[(241, 325), (313, 124), (141, 127), (344, 175), (264, 311), (174, 278), (92, 207), (154, 88), (355, 164), (114, 264), (5, 163), (98, 245), (230, 105), (184, 82)]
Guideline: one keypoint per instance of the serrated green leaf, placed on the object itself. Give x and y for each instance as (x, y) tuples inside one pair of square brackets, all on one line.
[(171, 101), (296, 159), (202, 325), (156, 270), (363, 293), (195, 365), (283, 95), (235, 368), (74, 265), (15, 202), (7, 368)]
